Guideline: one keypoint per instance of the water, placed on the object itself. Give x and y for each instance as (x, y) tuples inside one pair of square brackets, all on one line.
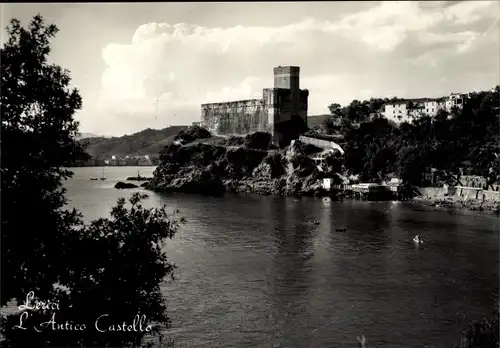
[(252, 273)]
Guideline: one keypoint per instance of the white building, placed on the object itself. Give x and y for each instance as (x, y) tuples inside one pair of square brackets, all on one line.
[(432, 106), (327, 183), (456, 100), (406, 110)]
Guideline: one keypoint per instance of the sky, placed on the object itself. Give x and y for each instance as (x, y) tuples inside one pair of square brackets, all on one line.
[(151, 65)]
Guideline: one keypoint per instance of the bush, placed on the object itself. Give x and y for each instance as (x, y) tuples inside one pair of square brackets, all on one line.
[(193, 133), (258, 140), (481, 333)]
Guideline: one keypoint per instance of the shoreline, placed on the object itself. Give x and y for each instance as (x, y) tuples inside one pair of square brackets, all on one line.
[(458, 203), (447, 202)]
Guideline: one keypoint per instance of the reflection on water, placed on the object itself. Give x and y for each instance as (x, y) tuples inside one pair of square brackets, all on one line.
[(253, 273)]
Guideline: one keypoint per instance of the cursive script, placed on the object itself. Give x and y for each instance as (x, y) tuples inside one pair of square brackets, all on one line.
[(55, 326), (137, 325), (32, 304)]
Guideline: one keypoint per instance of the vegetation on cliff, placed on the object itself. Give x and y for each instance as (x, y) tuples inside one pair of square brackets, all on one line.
[(466, 139), (238, 164), (111, 266)]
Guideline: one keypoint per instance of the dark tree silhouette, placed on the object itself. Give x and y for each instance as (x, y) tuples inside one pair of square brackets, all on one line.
[(37, 139), (110, 269)]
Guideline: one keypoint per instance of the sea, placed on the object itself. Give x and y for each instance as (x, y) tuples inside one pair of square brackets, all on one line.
[(254, 272)]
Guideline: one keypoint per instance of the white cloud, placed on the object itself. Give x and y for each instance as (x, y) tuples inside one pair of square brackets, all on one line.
[(176, 67)]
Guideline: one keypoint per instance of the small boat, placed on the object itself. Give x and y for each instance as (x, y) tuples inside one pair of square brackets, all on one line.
[(342, 229), (102, 177), (417, 239), (313, 222)]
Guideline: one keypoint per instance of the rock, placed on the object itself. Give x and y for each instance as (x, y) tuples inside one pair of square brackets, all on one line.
[(125, 185), (139, 178), (215, 169)]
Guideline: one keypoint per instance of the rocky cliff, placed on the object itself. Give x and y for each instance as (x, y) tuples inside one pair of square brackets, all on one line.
[(248, 164)]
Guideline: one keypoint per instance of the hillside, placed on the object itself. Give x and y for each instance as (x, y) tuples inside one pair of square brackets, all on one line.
[(146, 142), (317, 120)]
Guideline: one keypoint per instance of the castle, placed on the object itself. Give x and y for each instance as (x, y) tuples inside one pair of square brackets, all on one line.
[(282, 111)]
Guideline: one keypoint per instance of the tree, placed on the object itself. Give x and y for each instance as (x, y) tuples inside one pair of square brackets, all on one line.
[(112, 266), (358, 111), (482, 333), (410, 165), (335, 111), (441, 115), (38, 130)]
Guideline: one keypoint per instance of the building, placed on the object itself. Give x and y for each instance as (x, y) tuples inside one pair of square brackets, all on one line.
[(403, 110), (407, 110), (455, 100), (282, 111), (433, 105)]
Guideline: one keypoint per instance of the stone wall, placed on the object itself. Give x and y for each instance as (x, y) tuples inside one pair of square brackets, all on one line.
[(491, 196), (434, 192), (478, 194), (473, 181), (236, 118), (469, 192), (464, 193), (325, 144)]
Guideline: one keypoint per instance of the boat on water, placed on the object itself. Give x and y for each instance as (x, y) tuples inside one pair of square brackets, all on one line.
[(101, 178), (417, 239)]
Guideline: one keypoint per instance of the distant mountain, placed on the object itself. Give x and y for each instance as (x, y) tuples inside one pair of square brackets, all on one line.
[(88, 135), (146, 142), (316, 120)]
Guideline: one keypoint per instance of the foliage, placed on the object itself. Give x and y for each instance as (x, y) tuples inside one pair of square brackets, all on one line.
[(481, 333), (37, 139), (277, 162), (193, 133), (258, 140), (353, 114), (112, 266)]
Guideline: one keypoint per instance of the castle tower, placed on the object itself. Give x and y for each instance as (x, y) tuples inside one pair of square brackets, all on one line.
[(287, 77)]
